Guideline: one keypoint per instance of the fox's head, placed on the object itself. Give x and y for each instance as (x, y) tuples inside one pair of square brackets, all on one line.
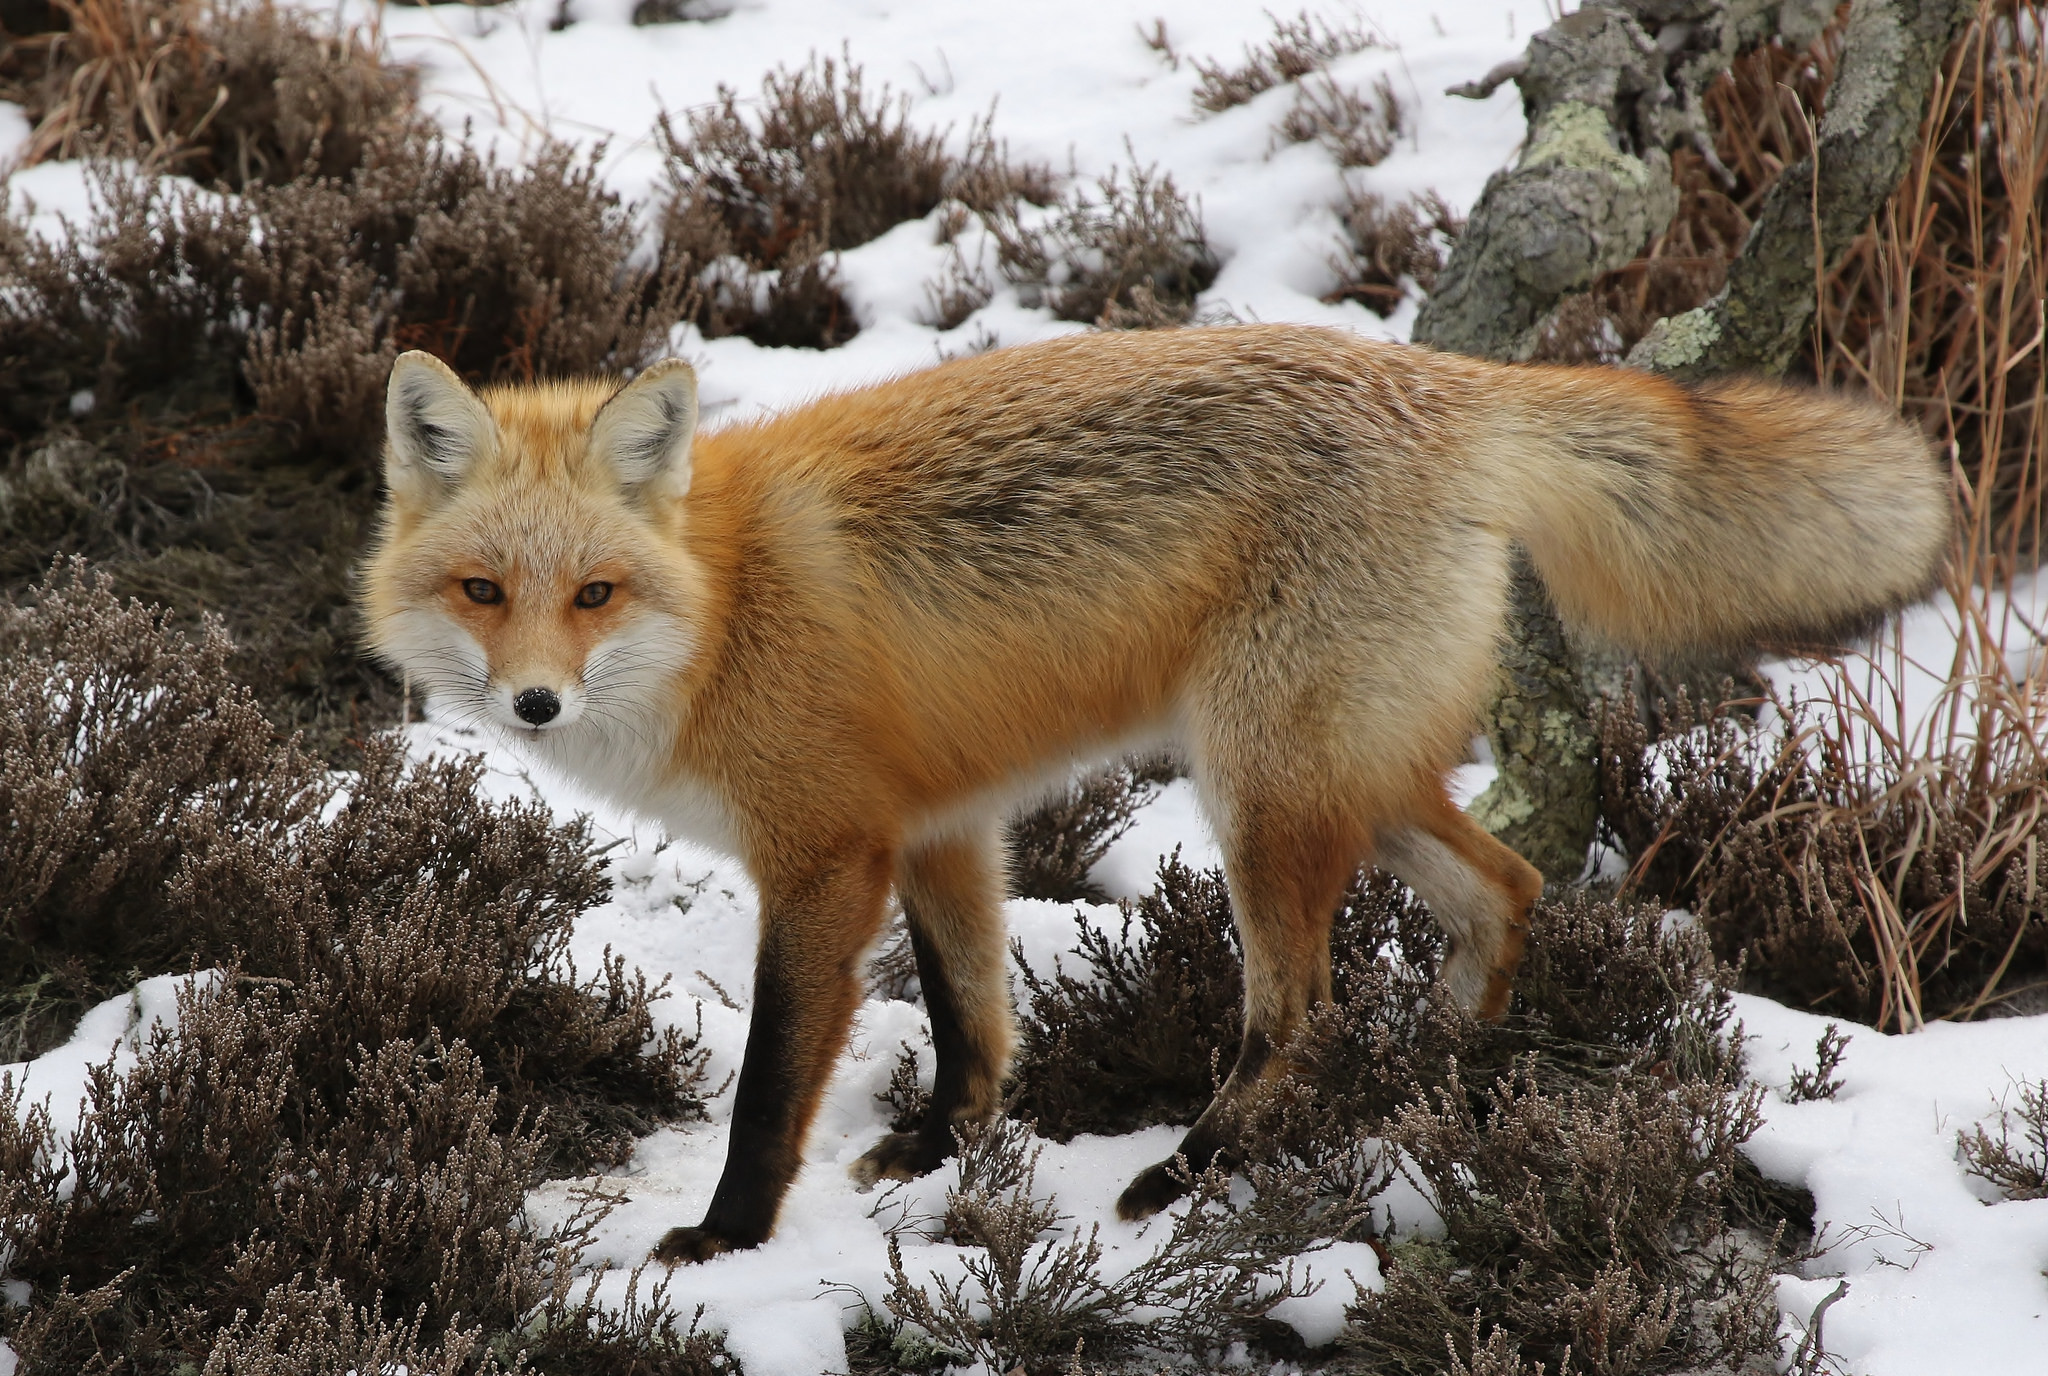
[(528, 573)]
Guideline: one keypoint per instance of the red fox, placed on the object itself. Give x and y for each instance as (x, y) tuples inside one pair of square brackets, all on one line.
[(844, 642)]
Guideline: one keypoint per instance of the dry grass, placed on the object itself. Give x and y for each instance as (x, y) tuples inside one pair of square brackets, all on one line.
[(1130, 256), (2016, 1171), (229, 92), (1873, 858)]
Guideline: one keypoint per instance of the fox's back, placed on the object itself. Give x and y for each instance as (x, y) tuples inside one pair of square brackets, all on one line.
[(1039, 474)]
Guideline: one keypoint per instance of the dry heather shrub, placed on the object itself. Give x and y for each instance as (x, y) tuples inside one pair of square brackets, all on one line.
[(757, 202), (1391, 252), (1299, 47), (1587, 1221), (260, 1194), (1053, 847), (416, 910), (1358, 130), (228, 92), (1134, 259), (1036, 1303), (1613, 1081), (160, 824), (1882, 879), (507, 275), (2019, 1172), (126, 753), (1134, 1037)]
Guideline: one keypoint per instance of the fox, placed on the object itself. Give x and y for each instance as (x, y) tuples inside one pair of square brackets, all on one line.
[(845, 641)]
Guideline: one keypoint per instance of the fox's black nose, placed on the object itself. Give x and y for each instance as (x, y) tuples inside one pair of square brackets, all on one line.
[(537, 706)]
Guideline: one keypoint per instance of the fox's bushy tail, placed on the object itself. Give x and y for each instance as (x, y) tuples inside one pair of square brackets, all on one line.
[(1668, 517)]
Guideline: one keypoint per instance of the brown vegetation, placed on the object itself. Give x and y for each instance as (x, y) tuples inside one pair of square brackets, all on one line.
[(1649, 1242), (332, 1150)]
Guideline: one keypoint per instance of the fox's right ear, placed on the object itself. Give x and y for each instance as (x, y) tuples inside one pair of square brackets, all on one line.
[(435, 428)]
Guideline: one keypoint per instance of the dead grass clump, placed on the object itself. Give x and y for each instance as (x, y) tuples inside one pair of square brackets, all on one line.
[(1053, 847), (2018, 1172), (1299, 47), (758, 201), (1856, 870), (227, 92), (1033, 1301), (1134, 259), (1391, 252)]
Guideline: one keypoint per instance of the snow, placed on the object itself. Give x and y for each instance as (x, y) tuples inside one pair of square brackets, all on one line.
[(1941, 1277), (1943, 1274)]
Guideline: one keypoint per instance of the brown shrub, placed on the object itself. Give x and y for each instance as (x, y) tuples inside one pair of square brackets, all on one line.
[(756, 203), (159, 823), (227, 93), (1390, 252), (1135, 1035), (1359, 131), (260, 1194), (2018, 1172), (1037, 1305), (1134, 259), (1885, 880), (1299, 47), (1583, 1152), (332, 1150), (126, 752), (1053, 847)]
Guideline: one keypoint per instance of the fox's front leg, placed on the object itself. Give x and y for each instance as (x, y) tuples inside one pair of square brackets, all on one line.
[(952, 903), (815, 925)]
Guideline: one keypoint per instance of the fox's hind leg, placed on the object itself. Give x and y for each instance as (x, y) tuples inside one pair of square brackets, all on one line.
[(1287, 866), (952, 905), (1479, 890)]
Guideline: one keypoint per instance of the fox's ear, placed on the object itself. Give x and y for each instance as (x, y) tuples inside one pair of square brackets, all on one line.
[(435, 427), (644, 431)]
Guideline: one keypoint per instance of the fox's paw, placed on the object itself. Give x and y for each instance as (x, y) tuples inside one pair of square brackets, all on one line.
[(679, 1245), (1156, 1187), (899, 1156)]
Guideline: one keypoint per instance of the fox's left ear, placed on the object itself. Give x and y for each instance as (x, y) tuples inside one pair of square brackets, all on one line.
[(645, 430)]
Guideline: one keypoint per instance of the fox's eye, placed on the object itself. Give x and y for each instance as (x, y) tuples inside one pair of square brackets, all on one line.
[(593, 594), (483, 590)]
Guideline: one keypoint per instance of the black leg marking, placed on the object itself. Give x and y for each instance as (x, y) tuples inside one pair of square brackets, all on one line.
[(1212, 1136)]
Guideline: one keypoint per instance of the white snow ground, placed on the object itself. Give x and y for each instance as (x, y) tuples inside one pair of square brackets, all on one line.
[(1942, 1280)]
